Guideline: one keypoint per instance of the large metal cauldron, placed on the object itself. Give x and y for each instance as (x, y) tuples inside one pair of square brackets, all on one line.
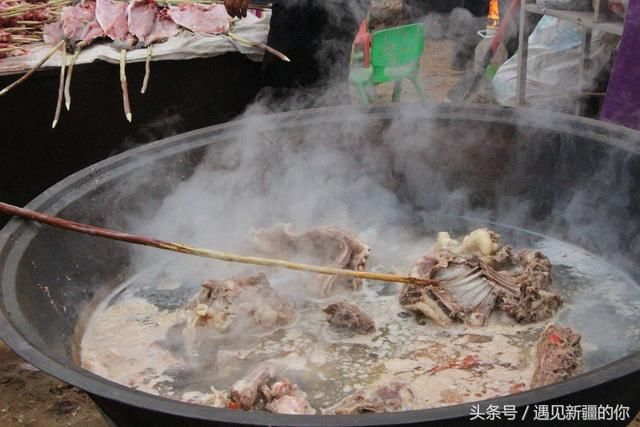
[(536, 158)]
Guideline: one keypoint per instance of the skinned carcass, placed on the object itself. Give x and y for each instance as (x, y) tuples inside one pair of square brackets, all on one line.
[(202, 19), (480, 275)]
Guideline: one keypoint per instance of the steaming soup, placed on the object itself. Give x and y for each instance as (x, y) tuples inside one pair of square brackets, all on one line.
[(134, 337)]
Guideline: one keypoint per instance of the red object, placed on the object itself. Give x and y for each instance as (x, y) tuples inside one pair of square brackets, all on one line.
[(555, 339), (469, 362), (364, 38), (495, 43), (233, 405)]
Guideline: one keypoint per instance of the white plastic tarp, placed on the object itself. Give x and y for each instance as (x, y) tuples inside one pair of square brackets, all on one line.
[(553, 64)]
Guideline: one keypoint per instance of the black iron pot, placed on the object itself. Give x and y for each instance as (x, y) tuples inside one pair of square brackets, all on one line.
[(50, 278)]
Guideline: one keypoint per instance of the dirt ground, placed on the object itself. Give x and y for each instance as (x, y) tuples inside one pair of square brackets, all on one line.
[(30, 397), (436, 75)]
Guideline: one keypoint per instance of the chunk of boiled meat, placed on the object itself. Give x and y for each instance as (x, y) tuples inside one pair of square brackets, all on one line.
[(558, 357), (79, 22), (293, 405), (326, 245), (258, 390), (112, 17), (349, 317), (211, 19), (249, 301), (246, 391), (394, 396)]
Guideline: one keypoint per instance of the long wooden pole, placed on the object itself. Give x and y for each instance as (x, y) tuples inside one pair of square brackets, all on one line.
[(202, 252), (56, 116), (262, 46), (34, 69), (123, 84)]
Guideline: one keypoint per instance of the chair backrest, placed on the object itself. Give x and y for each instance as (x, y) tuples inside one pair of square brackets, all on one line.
[(397, 46)]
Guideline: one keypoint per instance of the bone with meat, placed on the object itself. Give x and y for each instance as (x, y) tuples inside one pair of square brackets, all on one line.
[(112, 17), (80, 27), (246, 391), (150, 24), (79, 23), (330, 245), (558, 357), (392, 396), (480, 275), (348, 317), (258, 389)]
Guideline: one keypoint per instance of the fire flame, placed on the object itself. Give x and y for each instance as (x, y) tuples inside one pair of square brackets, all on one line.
[(494, 13)]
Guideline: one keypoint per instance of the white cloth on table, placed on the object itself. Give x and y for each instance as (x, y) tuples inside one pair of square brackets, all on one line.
[(186, 45)]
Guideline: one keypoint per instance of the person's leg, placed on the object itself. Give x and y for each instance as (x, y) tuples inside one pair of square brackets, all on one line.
[(317, 35), (335, 45), (465, 49), (292, 31)]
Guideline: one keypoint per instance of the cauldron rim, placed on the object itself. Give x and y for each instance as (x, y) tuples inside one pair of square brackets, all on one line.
[(607, 133)]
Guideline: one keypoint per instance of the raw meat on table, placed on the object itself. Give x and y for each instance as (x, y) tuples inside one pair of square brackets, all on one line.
[(150, 23), (211, 19), (112, 17), (79, 22)]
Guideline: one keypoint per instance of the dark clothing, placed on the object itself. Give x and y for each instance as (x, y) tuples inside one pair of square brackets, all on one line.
[(317, 36), (465, 27), (464, 53)]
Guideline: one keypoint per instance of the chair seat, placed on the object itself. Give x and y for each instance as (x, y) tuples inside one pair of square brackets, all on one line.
[(360, 75), (391, 74)]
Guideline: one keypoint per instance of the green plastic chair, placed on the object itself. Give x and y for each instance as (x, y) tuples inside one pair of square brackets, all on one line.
[(395, 56)]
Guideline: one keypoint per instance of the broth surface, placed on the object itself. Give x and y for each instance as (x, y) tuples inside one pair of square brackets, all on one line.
[(132, 339)]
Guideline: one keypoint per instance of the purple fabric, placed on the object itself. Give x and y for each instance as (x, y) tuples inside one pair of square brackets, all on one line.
[(622, 103)]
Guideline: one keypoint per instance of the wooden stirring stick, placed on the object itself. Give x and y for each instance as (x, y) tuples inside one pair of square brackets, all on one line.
[(201, 252)]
